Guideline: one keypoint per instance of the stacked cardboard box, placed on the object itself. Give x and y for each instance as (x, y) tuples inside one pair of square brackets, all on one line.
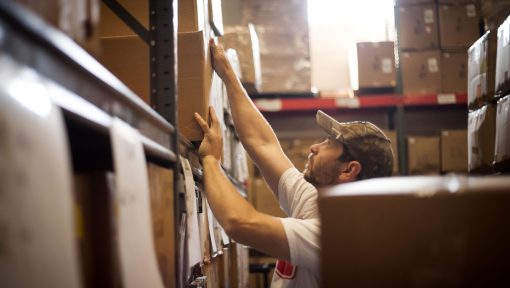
[(433, 39), (372, 66), (502, 147), (282, 27), (423, 155), (119, 43), (481, 70), (481, 139), (454, 151), (244, 40)]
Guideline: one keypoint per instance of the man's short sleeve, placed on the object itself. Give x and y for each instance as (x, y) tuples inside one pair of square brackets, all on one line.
[(298, 198), (303, 240)]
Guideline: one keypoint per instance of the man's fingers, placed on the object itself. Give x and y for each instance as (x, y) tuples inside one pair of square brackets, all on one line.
[(201, 122), (214, 118)]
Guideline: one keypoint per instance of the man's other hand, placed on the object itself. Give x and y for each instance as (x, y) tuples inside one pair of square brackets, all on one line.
[(220, 62), (212, 144)]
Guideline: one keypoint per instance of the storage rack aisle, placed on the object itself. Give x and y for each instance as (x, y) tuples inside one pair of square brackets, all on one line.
[(99, 112)]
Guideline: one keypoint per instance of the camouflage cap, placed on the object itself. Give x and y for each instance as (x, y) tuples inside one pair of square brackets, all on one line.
[(365, 143)]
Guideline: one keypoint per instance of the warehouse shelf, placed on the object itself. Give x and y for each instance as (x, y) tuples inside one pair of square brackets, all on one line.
[(96, 94), (373, 101)]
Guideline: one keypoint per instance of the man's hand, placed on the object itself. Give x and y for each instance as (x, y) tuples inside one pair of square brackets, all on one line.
[(220, 62), (212, 144)]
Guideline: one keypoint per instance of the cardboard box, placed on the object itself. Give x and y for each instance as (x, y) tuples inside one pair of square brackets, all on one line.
[(458, 25), (127, 57), (194, 82), (423, 155), (416, 231), (191, 15), (265, 200), (418, 27), (454, 74), (481, 139), (421, 72), (482, 70), (392, 134), (503, 59), (372, 65), (285, 73), (407, 2), (502, 148), (244, 40), (454, 151), (111, 25), (161, 187)]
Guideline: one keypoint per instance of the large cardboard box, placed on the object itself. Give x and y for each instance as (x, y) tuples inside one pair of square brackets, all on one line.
[(502, 148), (421, 72), (194, 82), (127, 57), (450, 231), (481, 139), (191, 15), (423, 155), (482, 70), (265, 200), (286, 73), (454, 74), (458, 25), (111, 25), (418, 27), (244, 40), (454, 151), (503, 59), (372, 65), (161, 190)]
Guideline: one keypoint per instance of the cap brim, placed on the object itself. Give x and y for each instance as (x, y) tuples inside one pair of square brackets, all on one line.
[(327, 123)]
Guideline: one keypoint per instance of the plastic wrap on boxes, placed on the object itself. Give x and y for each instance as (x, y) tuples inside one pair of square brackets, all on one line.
[(503, 58), (481, 136), (502, 148), (286, 73), (289, 15), (481, 70), (244, 40)]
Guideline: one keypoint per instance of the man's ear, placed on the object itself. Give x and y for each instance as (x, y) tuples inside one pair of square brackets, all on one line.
[(350, 172)]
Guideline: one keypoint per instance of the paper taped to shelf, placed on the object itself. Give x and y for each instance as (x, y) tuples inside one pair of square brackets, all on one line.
[(192, 230), (38, 246), (138, 263)]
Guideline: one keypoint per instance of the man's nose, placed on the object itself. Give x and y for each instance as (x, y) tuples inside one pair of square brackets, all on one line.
[(314, 148)]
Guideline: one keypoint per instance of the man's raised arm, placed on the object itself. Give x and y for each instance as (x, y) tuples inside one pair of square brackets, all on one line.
[(256, 134)]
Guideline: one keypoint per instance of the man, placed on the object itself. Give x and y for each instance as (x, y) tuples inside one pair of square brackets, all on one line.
[(353, 151)]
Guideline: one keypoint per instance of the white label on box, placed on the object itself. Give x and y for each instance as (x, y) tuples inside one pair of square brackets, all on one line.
[(471, 10), (433, 67), (139, 267), (428, 16), (271, 105), (428, 30), (387, 65), (347, 102), (446, 99), (38, 241)]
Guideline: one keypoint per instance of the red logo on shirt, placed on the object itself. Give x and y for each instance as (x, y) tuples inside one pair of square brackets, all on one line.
[(285, 270)]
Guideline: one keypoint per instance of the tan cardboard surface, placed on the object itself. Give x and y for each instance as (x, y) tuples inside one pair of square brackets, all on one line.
[(458, 25), (423, 155), (481, 139), (418, 27), (454, 74), (373, 65), (127, 57), (454, 151), (421, 72), (191, 15)]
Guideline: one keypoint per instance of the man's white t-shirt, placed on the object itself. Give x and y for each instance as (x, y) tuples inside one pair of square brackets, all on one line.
[(298, 199)]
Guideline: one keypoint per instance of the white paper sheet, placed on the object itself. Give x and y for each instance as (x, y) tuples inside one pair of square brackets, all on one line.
[(193, 233), (212, 237), (136, 244), (38, 245)]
